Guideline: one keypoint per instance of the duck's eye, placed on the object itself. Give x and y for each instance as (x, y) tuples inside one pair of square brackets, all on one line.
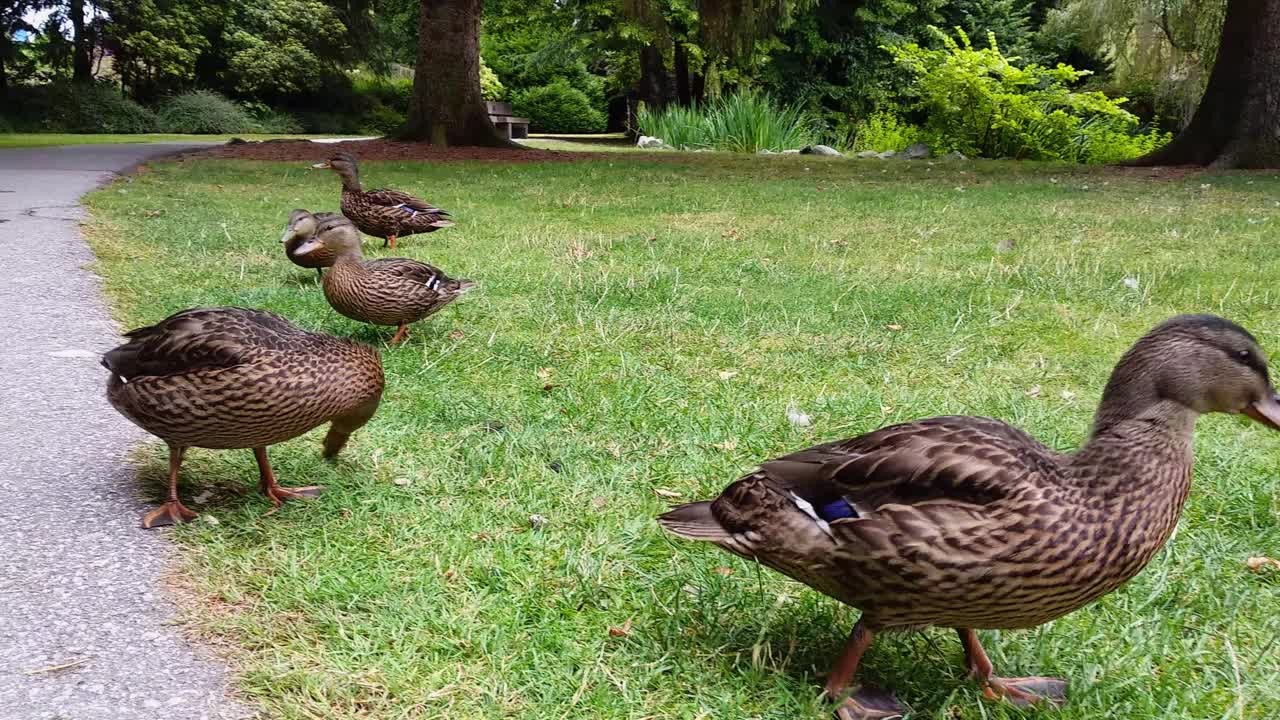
[(1243, 355)]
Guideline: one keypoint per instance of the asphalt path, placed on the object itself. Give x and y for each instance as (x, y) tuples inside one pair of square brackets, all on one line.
[(87, 629)]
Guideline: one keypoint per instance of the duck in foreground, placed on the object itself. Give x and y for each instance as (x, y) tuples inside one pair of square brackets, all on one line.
[(387, 291), (227, 377), (967, 522), (383, 213), (302, 226)]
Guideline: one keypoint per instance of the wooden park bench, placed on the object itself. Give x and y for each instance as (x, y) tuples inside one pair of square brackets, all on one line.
[(511, 127)]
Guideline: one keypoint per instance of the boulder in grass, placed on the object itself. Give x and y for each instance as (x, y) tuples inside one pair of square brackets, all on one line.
[(824, 150), (868, 154), (650, 143), (917, 151), (792, 152), (886, 154)]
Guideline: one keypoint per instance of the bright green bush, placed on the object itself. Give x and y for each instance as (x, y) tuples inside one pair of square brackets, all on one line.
[(978, 102), (743, 122), (491, 87), (883, 130), (558, 108), (204, 112), (93, 109), (381, 120)]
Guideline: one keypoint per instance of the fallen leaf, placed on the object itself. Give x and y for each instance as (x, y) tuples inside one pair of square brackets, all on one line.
[(544, 373), (456, 335), (154, 213), (893, 326), (598, 502), (623, 631), (480, 536), (537, 522), (727, 374), (548, 388), (886, 409), (726, 571), (798, 417), (1067, 395), (728, 445), (449, 574), (663, 492), (402, 481), (1257, 563), (1033, 391)]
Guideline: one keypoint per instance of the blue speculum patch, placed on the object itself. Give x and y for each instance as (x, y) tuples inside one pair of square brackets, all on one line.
[(836, 510)]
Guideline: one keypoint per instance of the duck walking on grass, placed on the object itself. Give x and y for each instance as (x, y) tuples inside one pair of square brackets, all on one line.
[(302, 226), (387, 291), (383, 213), (228, 377), (968, 522)]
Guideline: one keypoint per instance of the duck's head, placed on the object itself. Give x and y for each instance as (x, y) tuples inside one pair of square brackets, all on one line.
[(337, 234), (301, 224), (341, 163), (1202, 363)]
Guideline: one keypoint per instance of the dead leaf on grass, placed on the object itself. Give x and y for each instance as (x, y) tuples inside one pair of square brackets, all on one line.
[(1257, 563), (623, 631), (670, 494)]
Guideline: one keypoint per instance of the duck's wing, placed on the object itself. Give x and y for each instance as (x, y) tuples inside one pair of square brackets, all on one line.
[(414, 276), (394, 199), (900, 484), (199, 338)]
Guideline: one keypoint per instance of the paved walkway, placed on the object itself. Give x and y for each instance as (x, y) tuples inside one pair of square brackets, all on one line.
[(80, 583)]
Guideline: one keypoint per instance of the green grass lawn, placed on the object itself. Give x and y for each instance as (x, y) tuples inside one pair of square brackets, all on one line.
[(639, 332), (8, 140)]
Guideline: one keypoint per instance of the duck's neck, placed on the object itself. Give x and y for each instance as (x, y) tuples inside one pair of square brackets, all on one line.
[(351, 181), (345, 265)]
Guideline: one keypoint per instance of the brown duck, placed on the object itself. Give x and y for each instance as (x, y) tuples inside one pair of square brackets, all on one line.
[(228, 377), (383, 213), (387, 291), (302, 227), (967, 522)]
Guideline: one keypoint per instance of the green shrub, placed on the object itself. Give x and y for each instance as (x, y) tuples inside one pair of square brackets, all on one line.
[(558, 108), (744, 122), (204, 112), (976, 101), (270, 120), (374, 90), (381, 120), (491, 87), (64, 107), (328, 123), (883, 130)]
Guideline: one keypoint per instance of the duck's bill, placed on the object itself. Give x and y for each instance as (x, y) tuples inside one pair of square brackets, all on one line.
[(321, 165), (287, 236), (1266, 411), (307, 247)]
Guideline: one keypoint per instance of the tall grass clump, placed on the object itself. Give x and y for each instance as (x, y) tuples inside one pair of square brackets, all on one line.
[(742, 122)]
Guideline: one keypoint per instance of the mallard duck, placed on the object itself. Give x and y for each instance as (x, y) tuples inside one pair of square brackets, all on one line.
[(302, 226), (387, 291), (383, 213), (967, 522), (228, 377)]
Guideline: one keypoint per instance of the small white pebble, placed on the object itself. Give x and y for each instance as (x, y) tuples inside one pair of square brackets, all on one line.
[(209, 519), (1131, 283), (797, 417), (537, 521), (402, 481), (1053, 180)]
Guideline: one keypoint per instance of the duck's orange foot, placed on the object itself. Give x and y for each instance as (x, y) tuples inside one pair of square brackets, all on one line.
[(401, 334), (1026, 691), (170, 513), (868, 703), (390, 240), (279, 495)]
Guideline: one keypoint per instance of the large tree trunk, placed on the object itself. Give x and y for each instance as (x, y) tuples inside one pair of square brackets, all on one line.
[(656, 87), (683, 95), (446, 107), (81, 69), (1238, 121)]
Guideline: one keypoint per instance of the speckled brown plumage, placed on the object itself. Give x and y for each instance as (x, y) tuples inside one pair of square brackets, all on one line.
[(383, 213), (230, 377), (301, 227), (968, 522), (387, 291)]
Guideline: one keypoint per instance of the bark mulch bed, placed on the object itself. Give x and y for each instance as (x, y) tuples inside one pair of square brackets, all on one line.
[(382, 149)]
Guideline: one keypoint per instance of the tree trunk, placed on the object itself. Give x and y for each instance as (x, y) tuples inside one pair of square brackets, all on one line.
[(4, 72), (1238, 122), (683, 95), (446, 107), (656, 89), (81, 69)]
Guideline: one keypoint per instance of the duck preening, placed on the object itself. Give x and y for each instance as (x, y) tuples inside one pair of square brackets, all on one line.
[(970, 523), (383, 213), (387, 291), (228, 377)]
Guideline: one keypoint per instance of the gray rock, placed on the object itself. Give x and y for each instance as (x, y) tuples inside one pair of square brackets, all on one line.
[(791, 152), (868, 154), (956, 155), (824, 150), (650, 143), (886, 154), (917, 151), (765, 151)]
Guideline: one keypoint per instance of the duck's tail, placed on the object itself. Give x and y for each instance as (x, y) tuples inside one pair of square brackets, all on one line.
[(694, 521)]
